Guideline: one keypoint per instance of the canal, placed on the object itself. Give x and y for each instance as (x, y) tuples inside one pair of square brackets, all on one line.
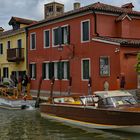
[(29, 125)]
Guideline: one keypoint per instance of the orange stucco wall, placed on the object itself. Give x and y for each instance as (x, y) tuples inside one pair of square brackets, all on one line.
[(106, 26)]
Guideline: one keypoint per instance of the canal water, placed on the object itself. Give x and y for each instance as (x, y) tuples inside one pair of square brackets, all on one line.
[(29, 125)]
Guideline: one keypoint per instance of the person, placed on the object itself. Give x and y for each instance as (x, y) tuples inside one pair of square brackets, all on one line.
[(24, 83), (118, 82), (122, 82), (13, 80), (106, 85)]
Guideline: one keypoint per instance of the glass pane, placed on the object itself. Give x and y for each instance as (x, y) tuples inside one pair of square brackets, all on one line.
[(86, 31), (33, 41), (47, 39), (85, 69), (56, 36)]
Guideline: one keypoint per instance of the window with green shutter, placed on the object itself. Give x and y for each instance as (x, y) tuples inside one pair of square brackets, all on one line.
[(85, 30), (46, 38), (85, 69), (32, 71), (51, 70)]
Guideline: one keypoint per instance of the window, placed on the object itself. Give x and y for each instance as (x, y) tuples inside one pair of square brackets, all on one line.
[(5, 72), (55, 36), (47, 39), (85, 69), (19, 43), (65, 35), (45, 71), (61, 35), (63, 70), (1, 48), (59, 70), (33, 71), (33, 41), (85, 31), (104, 66), (8, 44)]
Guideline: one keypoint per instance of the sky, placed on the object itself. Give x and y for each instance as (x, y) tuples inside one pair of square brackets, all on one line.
[(34, 9)]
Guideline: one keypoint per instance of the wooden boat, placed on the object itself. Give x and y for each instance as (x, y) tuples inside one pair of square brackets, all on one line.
[(115, 110), (10, 98)]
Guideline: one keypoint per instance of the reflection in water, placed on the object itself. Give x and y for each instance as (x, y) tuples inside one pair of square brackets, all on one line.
[(28, 125)]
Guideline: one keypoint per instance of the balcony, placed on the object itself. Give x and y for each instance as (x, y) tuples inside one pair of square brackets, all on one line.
[(15, 55)]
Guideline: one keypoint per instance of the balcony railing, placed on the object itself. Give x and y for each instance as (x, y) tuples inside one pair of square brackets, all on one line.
[(15, 55)]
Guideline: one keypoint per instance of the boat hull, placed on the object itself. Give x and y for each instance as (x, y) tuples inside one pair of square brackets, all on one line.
[(92, 117)]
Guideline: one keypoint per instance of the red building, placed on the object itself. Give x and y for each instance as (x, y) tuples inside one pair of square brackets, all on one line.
[(98, 41)]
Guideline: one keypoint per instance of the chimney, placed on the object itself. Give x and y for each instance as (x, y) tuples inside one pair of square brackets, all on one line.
[(1, 29), (128, 6), (76, 5), (53, 9)]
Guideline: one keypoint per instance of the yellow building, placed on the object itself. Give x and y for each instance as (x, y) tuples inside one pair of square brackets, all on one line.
[(13, 58)]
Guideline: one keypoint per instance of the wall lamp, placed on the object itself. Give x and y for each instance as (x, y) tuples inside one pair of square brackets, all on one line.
[(117, 50), (70, 47)]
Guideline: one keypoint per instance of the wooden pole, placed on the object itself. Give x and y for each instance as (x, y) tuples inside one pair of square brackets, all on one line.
[(51, 91), (38, 93)]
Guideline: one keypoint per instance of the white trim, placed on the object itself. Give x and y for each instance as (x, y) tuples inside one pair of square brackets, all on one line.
[(82, 68), (32, 63), (66, 25), (104, 41), (31, 41), (127, 17), (87, 20), (44, 39)]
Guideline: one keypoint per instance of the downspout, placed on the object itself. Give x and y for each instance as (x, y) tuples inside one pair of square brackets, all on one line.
[(95, 23), (26, 31)]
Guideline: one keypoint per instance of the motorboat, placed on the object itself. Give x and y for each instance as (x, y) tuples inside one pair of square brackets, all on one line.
[(107, 110)]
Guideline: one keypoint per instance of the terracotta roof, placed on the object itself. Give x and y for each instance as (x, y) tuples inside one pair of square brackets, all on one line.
[(22, 20), (96, 7), (11, 32), (128, 5), (121, 41)]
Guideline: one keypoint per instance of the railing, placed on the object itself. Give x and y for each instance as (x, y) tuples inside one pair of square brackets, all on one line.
[(15, 54)]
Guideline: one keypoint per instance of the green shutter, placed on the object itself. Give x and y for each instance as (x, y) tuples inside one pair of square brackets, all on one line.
[(68, 37), (30, 70), (51, 70), (59, 70), (43, 71), (85, 69), (35, 71), (68, 70)]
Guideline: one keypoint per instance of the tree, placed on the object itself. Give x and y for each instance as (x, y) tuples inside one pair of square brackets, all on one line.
[(138, 69)]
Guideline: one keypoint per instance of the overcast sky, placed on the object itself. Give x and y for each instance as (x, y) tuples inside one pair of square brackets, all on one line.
[(34, 9)]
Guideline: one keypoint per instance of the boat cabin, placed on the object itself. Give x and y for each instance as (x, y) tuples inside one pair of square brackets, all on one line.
[(100, 99), (114, 99)]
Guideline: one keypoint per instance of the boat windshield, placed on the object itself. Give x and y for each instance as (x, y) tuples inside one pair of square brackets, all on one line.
[(117, 101), (123, 100)]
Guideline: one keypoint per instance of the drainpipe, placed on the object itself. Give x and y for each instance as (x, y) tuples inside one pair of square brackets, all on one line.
[(26, 31), (95, 23)]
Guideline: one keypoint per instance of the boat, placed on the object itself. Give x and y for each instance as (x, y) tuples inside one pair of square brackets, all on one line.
[(12, 99), (106, 110)]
